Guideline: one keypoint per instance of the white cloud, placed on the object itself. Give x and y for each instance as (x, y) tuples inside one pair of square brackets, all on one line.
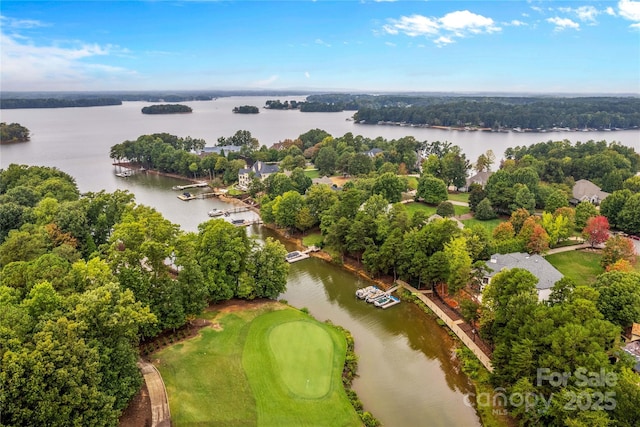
[(563, 23), (322, 43), (630, 10), (27, 66), (583, 13), (390, 44), (515, 23), (443, 41), (443, 30), (307, 75), (21, 23), (610, 11)]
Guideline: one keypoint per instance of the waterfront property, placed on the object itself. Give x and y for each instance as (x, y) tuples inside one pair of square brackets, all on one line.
[(260, 170), (585, 190)]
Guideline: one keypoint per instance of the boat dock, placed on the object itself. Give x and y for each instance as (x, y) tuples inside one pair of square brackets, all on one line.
[(184, 187), (378, 297), (294, 256)]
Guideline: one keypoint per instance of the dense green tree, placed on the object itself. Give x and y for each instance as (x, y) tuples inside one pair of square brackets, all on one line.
[(445, 209), (301, 182), (524, 199), (459, 264), (476, 195), (390, 186), (269, 269), (612, 206), (221, 251), (319, 198), (557, 199), (619, 297), (584, 211), (629, 217), (286, 209), (484, 210), (326, 161), (632, 184), (432, 190)]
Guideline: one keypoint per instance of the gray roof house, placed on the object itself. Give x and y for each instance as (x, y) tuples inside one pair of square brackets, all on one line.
[(535, 264), (260, 170), (586, 190), (479, 178)]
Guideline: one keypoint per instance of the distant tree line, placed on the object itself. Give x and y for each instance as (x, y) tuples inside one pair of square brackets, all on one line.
[(246, 109), (13, 132), (15, 103), (166, 109), (495, 112)]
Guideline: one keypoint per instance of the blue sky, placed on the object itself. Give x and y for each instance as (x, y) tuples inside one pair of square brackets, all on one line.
[(368, 46)]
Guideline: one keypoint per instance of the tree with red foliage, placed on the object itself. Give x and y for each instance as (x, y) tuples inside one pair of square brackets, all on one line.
[(597, 230)]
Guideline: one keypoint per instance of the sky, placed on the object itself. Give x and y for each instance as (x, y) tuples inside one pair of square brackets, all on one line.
[(579, 46)]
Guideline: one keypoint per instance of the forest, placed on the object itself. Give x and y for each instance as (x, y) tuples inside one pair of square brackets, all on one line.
[(13, 132), (85, 278), (491, 112), (13, 103), (166, 109)]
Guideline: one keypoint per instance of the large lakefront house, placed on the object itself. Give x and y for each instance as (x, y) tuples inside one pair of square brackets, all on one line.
[(535, 264), (259, 169), (585, 190)]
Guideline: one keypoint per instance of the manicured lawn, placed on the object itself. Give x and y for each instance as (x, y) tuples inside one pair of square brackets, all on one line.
[(459, 197), (488, 224), (261, 367), (312, 173), (418, 206), (430, 209), (312, 239), (580, 266)]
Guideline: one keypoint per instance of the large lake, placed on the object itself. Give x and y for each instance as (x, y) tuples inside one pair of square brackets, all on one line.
[(408, 374)]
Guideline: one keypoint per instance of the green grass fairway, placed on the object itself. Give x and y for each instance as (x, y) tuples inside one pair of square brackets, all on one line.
[(459, 197), (264, 367), (312, 239)]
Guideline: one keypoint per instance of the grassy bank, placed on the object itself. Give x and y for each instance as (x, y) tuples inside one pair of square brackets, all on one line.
[(260, 367)]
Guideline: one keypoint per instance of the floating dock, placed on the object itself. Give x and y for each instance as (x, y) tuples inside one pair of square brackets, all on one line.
[(294, 256), (187, 196), (379, 298), (125, 174)]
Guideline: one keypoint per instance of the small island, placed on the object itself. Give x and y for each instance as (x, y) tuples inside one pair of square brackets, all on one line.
[(13, 132), (166, 109), (246, 109)]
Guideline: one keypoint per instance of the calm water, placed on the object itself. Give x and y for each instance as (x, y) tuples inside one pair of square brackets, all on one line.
[(408, 376)]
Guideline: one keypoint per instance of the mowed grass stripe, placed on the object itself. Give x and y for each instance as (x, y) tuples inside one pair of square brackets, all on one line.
[(303, 353), (205, 380), (275, 403)]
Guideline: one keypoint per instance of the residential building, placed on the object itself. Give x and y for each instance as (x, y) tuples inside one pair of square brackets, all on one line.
[(259, 169), (535, 264), (585, 190), (479, 178)]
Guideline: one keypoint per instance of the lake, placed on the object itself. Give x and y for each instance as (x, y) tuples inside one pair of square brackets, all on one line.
[(408, 373)]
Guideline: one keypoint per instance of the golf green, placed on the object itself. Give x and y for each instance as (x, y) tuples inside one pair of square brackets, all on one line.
[(304, 353)]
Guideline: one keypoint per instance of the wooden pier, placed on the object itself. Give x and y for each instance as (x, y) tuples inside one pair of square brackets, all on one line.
[(184, 187)]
